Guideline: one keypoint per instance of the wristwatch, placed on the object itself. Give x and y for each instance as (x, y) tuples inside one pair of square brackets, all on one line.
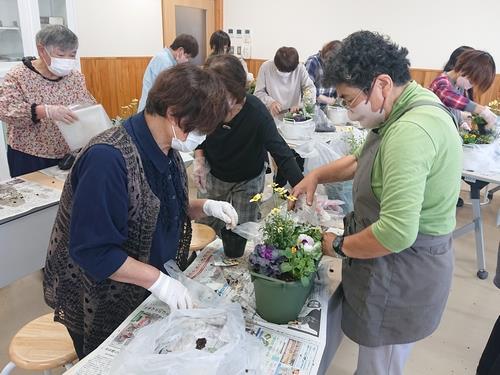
[(337, 244)]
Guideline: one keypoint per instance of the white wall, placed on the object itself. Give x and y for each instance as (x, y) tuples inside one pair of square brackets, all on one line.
[(119, 27), (430, 29)]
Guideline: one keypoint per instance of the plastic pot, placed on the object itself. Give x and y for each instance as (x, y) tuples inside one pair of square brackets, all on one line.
[(233, 244), (279, 301)]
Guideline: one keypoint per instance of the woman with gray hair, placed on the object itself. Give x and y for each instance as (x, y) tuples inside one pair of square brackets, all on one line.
[(35, 95)]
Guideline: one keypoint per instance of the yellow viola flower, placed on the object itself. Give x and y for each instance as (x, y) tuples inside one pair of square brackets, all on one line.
[(294, 249), (291, 198), (256, 198), (275, 211), (280, 190)]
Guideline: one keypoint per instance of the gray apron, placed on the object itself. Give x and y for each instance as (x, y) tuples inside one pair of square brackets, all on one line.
[(398, 298)]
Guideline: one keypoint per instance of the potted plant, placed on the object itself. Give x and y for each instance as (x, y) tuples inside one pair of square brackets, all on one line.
[(283, 266), (478, 142)]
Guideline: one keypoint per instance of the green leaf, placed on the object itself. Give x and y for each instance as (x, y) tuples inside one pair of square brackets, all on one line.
[(286, 267)]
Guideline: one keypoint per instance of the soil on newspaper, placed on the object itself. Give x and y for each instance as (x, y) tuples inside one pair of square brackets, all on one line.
[(200, 343)]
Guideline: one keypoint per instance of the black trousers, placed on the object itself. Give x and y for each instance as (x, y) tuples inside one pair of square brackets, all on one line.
[(489, 364), (21, 163), (77, 343)]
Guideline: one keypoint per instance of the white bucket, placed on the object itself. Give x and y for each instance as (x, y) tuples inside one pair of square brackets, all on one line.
[(337, 115), (297, 130)]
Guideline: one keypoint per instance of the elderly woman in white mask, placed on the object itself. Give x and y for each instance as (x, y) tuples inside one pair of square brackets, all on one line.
[(35, 94)]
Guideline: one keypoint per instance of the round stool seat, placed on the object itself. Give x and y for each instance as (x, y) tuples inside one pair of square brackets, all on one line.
[(42, 344), (202, 236)]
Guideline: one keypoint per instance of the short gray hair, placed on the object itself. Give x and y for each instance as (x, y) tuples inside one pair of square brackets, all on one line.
[(57, 36)]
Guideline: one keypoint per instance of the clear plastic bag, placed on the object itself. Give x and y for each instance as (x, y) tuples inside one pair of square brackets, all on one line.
[(250, 230), (209, 341), (201, 295), (323, 123)]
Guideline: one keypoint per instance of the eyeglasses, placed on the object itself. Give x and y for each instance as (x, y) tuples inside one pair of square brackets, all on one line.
[(348, 104)]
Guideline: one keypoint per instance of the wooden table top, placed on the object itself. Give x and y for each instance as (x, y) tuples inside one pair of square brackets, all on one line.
[(43, 179)]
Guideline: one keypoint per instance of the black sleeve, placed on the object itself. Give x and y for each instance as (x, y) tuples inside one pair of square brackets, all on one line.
[(280, 151)]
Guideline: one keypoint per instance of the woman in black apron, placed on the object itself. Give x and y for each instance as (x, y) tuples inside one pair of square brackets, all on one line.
[(397, 245)]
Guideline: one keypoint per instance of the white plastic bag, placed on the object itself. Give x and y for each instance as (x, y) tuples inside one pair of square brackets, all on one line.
[(482, 158), (316, 154), (92, 120), (209, 341)]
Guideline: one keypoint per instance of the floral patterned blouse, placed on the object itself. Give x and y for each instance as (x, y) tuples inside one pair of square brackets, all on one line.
[(22, 88)]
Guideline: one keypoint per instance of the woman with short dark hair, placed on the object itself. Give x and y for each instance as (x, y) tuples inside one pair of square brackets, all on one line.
[(397, 243), (231, 164), (220, 42), (282, 82), (35, 95), (125, 210), (474, 69)]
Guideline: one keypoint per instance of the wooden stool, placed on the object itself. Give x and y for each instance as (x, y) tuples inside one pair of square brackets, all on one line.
[(202, 236), (41, 345)]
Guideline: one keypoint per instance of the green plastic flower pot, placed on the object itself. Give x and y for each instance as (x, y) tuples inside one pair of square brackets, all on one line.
[(279, 301)]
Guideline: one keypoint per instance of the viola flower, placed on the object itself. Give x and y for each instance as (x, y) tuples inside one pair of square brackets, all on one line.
[(306, 242), (275, 211), (293, 249), (256, 198), (291, 197)]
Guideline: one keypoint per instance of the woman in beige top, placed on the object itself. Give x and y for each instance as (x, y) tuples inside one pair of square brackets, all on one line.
[(282, 82), (35, 95)]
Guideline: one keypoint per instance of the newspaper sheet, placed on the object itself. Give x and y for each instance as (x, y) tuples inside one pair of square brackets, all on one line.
[(292, 349), (18, 197)]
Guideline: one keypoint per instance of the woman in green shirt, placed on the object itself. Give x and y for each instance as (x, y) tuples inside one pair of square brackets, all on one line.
[(398, 259)]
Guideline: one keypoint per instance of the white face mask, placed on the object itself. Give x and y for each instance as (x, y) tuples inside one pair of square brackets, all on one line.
[(60, 67), (193, 140), (463, 83), (366, 117)]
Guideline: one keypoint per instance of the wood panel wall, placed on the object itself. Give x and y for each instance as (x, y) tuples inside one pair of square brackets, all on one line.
[(422, 76), (115, 81)]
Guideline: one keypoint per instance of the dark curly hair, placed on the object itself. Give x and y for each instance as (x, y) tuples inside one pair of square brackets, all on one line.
[(363, 56)]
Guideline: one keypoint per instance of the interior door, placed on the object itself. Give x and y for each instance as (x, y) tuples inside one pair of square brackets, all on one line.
[(195, 17)]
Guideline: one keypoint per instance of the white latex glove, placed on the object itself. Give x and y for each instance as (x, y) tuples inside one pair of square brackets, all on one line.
[(200, 172), (221, 210), (60, 113), (465, 126), (172, 292), (489, 117)]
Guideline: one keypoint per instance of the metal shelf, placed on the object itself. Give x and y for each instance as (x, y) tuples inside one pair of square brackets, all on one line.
[(9, 28)]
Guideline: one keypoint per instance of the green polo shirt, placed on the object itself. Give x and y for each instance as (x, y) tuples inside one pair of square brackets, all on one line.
[(416, 172)]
